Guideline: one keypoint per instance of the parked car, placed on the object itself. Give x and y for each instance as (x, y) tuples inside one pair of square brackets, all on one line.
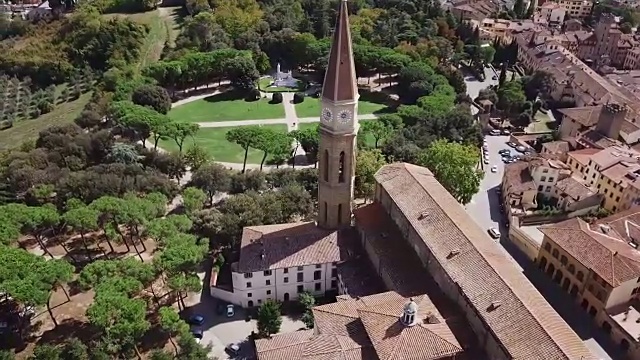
[(504, 152), (197, 334), (232, 349), (494, 168), (521, 148), (486, 161), (494, 233), (506, 132), (494, 132), (230, 311), (506, 159), (196, 319), (510, 144)]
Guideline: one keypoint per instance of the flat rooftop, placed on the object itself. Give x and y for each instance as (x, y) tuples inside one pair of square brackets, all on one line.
[(533, 233), (627, 317)]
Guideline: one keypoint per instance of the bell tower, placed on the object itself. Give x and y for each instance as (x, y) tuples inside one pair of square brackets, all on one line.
[(338, 129)]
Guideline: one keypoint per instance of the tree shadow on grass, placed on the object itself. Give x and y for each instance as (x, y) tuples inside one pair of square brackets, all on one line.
[(69, 328), (225, 96), (378, 97)]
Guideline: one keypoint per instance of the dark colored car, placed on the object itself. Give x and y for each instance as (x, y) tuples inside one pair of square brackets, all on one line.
[(196, 320)]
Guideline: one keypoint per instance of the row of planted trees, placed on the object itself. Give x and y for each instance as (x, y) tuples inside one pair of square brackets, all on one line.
[(126, 289)]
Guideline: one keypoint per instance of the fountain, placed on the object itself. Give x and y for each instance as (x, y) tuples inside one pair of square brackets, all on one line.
[(284, 79)]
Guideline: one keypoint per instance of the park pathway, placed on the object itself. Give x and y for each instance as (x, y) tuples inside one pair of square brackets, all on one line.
[(289, 120)]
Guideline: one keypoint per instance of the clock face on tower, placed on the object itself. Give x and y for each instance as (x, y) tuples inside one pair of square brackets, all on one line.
[(327, 115), (344, 116)]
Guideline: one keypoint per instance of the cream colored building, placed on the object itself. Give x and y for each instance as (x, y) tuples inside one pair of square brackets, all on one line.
[(598, 265), (524, 181), (613, 172), (552, 12), (575, 8)]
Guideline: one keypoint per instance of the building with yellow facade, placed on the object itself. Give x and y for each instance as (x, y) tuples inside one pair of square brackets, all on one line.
[(598, 265), (613, 172)]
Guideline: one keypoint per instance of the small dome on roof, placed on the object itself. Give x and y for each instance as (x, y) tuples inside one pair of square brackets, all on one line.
[(411, 307)]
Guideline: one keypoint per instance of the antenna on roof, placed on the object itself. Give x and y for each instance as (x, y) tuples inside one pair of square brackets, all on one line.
[(423, 215), (494, 305)]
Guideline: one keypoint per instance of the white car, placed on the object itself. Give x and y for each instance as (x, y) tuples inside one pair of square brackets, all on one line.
[(233, 349), (494, 168), (494, 233), (230, 311), (486, 161)]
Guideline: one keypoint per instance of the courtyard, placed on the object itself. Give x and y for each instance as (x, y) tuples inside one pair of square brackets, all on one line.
[(226, 106), (214, 141)]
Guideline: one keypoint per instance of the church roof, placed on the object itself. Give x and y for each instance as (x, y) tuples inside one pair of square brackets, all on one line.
[(523, 322), (340, 79)]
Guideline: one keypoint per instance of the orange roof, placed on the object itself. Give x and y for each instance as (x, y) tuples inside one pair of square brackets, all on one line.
[(598, 248), (524, 324)]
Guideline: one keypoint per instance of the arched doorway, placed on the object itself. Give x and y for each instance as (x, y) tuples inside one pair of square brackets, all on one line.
[(585, 304), (286, 296), (550, 270), (250, 303), (543, 263), (574, 290), (624, 345), (566, 283), (558, 277), (606, 327), (593, 311)]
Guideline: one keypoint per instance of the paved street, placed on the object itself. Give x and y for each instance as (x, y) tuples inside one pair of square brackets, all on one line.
[(474, 86), (484, 208)]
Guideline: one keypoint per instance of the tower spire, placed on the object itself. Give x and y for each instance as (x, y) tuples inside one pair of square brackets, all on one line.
[(340, 78)]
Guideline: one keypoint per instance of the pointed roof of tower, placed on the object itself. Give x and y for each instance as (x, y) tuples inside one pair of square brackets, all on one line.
[(340, 79)]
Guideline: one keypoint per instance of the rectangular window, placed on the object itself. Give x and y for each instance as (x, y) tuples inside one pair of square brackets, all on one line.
[(317, 275), (606, 190), (300, 277), (286, 270), (540, 187), (259, 301), (268, 282), (318, 286), (249, 295), (300, 268), (300, 289), (543, 178), (551, 179), (248, 284), (334, 284), (268, 292), (544, 171), (334, 273), (318, 266), (286, 280), (547, 189), (248, 275), (267, 273)]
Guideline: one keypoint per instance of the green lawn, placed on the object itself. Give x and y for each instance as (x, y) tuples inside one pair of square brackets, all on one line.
[(226, 107), (370, 103), (214, 141), (542, 123), (263, 84), (30, 128), (368, 137)]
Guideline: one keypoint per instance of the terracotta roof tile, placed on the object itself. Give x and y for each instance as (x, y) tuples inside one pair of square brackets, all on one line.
[(344, 331), (599, 249), (517, 178), (586, 116), (582, 156), (574, 188), (524, 323), (288, 245), (556, 147)]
